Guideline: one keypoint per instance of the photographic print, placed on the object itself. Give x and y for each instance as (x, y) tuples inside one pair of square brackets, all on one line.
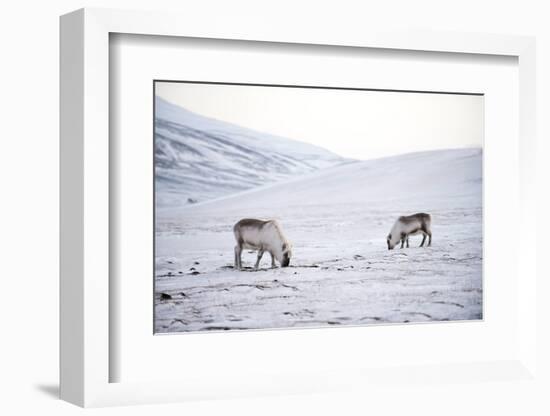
[(282, 207)]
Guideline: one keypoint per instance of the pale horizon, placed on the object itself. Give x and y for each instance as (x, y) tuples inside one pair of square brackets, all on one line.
[(357, 124)]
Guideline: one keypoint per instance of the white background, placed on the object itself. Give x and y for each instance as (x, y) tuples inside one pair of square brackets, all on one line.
[(29, 172)]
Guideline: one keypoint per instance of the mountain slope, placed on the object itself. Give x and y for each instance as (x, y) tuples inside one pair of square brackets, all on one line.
[(423, 180), (198, 159)]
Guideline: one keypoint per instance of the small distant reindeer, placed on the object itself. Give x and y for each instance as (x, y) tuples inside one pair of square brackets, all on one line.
[(410, 225), (263, 236)]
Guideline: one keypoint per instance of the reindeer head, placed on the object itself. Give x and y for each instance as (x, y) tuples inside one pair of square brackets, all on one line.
[(390, 242), (286, 254)]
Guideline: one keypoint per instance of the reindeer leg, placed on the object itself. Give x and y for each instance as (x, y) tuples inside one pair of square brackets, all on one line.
[(260, 254), (407, 241), (425, 232), (403, 237), (430, 239), (423, 240), (273, 265), (238, 251)]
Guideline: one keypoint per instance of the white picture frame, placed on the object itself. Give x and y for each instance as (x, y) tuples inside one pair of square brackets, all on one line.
[(85, 220)]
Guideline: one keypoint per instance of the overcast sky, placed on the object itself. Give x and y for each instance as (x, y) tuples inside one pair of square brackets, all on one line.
[(356, 124)]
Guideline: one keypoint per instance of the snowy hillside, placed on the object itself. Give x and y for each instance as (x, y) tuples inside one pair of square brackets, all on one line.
[(420, 180), (198, 159), (341, 271)]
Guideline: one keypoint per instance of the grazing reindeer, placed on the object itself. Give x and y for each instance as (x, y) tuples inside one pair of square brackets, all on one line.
[(262, 236), (410, 225)]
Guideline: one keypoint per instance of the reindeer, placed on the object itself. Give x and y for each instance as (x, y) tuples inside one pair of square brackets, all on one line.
[(410, 225), (262, 236)]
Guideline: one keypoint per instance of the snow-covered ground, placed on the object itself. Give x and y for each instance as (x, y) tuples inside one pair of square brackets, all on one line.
[(341, 272)]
